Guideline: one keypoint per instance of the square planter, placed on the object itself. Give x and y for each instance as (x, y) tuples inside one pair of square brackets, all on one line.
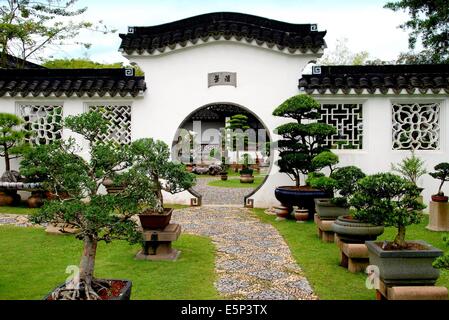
[(154, 220), (405, 267)]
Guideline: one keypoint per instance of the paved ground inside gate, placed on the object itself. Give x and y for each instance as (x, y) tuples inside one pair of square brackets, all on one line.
[(220, 196), (253, 261)]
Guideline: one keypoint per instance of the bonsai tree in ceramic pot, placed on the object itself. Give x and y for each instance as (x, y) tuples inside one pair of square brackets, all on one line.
[(342, 181), (152, 161), (302, 140), (441, 173), (12, 145), (390, 200), (99, 217), (236, 127), (246, 174)]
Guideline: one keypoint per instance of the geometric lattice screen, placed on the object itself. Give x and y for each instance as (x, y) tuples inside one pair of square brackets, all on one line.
[(348, 120), (416, 126), (119, 123), (43, 122)]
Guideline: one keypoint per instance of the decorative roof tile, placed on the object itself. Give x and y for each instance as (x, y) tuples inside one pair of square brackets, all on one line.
[(223, 25), (69, 82), (430, 78)]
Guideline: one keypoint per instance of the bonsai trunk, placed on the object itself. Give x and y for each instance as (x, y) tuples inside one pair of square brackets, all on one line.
[(88, 260), (439, 189), (7, 160), (400, 237)]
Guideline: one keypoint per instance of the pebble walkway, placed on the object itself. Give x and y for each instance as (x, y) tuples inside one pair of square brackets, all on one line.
[(220, 196), (253, 261)]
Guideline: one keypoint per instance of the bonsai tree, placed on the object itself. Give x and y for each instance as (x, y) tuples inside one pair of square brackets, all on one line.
[(441, 173), (152, 161), (389, 200), (342, 180), (301, 142), (237, 126), (99, 217), (411, 168), (12, 138)]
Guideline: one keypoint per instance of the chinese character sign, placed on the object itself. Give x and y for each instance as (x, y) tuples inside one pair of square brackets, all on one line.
[(222, 79)]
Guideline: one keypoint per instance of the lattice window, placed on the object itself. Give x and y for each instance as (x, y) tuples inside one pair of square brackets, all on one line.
[(348, 120), (44, 122), (416, 126), (119, 119)]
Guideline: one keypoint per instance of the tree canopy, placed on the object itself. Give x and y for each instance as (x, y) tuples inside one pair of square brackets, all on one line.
[(429, 23)]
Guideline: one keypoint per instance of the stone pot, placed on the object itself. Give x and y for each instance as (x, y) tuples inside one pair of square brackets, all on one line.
[(6, 199), (405, 267), (36, 200), (439, 198), (112, 188), (246, 178), (125, 292), (302, 197), (351, 230), (301, 215), (327, 211), (281, 212), (223, 177), (151, 220)]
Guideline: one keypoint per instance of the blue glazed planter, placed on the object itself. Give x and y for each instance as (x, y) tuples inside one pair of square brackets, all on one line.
[(304, 197)]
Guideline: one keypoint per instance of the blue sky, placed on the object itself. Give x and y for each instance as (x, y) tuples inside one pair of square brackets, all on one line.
[(365, 24)]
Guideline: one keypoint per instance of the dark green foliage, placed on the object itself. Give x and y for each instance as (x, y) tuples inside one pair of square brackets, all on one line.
[(389, 200), (428, 22), (152, 159), (443, 261), (325, 159), (12, 138), (302, 142), (441, 173)]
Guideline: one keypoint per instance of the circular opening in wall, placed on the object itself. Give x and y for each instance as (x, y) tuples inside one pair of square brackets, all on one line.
[(227, 147)]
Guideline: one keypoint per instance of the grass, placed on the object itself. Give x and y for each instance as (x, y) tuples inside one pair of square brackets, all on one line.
[(34, 263), (21, 209), (235, 183), (319, 260)]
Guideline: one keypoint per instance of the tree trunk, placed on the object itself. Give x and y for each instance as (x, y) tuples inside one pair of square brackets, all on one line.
[(88, 260), (400, 237), (7, 161)]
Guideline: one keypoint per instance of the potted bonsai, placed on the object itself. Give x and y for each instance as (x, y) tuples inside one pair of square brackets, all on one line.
[(12, 145), (390, 200), (99, 217), (246, 174), (300, 144), (236, 127), (152, 161), (441, 173), (342, 181)]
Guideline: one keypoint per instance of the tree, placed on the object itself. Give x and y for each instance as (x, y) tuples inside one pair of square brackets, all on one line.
[(87, 64), (237, 126), (390, 200), (411, 168), (27, 27), (441, 173), (152, 160), (342, 55), (301, 142), (12, 138), (99, 217), (429, 22)]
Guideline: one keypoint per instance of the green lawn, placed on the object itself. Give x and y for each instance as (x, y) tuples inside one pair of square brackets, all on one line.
[(33, 263), (235, 183), (320, 260), (22, 209)]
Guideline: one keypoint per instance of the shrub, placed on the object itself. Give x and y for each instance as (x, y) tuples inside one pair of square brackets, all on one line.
[(411, 168), (441, 173)]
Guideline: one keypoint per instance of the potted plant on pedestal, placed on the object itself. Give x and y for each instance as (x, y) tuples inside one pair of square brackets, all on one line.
[(152, 161), (441, 173), (342, 181), (302, 142), (12, 145), (246, 174), (389, 200), (99, 217)]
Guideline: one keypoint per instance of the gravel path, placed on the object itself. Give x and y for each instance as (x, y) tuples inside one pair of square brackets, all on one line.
[(220, 196), (253, 261), (17, 220)]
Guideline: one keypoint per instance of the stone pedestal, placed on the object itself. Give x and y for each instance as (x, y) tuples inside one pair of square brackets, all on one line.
[(324, 229), (438, 216), (158, 244), (353, 256), (410, 292)]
